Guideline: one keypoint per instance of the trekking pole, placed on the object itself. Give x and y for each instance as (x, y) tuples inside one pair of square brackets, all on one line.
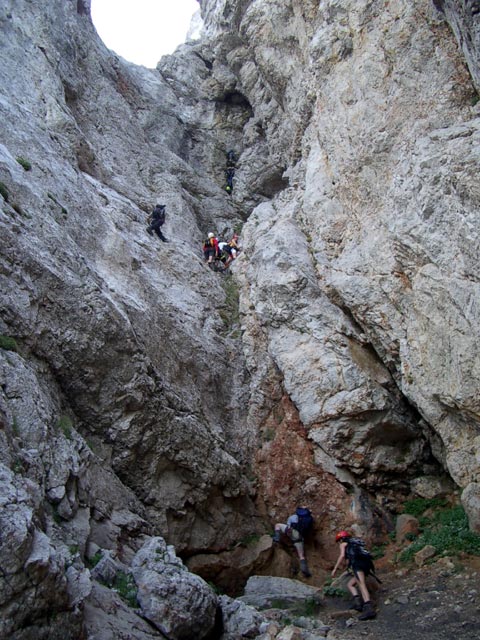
[(337, 580)]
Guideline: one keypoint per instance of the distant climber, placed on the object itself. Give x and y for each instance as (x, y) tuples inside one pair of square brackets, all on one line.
[(228, 253), (360, 563), (230, 171), (231, 158), (211, 249), (229, 175), (297, 527), (157, 219), (233, 243)]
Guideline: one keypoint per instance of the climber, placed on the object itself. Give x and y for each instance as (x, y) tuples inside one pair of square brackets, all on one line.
[(231, 158), (228, 253), (229, 174), (156, 220), (359, 561), (233, 243), (210, 248), (296, 528)]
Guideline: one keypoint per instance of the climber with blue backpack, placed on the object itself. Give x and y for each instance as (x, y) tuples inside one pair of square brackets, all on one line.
[(297, 527), (359, 561)]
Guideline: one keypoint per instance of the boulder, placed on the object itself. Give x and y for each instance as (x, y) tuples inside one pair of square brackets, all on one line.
[(425, 554), (406, 525), (178, 603), (267, 591), (239, 619)]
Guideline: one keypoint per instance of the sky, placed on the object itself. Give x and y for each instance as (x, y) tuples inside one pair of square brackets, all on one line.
[(141, 31)]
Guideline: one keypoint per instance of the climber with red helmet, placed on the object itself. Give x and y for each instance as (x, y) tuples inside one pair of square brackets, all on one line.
[(210, 248), (359, 561)]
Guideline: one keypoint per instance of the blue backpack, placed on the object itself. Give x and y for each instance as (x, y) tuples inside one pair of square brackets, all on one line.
[(305, 520)]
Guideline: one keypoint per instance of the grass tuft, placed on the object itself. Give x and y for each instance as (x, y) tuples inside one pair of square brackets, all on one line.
[(125, 586), (7, 343), (4, 191), (65, 425), (26, 164)]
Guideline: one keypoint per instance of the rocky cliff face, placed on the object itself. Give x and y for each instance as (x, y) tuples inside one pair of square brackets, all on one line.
[(134, 402), (362, 273)]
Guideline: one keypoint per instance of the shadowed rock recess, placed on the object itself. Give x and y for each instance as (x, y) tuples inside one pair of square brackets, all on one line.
[(156, 415)]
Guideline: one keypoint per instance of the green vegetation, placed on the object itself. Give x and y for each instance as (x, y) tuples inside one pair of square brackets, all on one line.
[(18, 466), (24, 163), (94, 560), (90, 444), (125, 586), (250, 539), (65, 425), (308, 607), (7, 343), (446, 530), (4, 191), (123, 583), (333, 592), (229, 312), (378, 551), (53, 199), (15, 427), (56, 516), (418, 506)]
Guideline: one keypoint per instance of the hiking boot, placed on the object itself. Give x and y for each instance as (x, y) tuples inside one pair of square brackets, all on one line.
[(304, 568), (368, 611), (276, 536), (357, 603), (149, 231)]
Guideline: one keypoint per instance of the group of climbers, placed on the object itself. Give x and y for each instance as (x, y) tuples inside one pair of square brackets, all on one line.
[(220, 250), (353, 556), (212, 249)]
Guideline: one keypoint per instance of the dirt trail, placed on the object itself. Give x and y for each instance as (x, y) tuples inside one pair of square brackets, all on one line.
[(440, 601)]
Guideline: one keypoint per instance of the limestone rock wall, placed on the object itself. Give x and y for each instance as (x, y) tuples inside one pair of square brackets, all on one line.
[(129, 329), (360, 278), (122, 414)]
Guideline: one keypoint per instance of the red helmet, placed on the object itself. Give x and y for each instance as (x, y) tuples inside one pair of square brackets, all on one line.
[(342, 534)]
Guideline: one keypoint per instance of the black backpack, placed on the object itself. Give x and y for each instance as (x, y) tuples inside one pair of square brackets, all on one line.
[(305, 520), (158, 214), (356, 549)]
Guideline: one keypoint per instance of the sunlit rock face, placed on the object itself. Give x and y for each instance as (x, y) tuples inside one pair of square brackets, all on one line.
[(133, 404)]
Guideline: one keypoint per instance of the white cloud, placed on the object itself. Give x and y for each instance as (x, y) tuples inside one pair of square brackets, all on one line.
[(141, 31)]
